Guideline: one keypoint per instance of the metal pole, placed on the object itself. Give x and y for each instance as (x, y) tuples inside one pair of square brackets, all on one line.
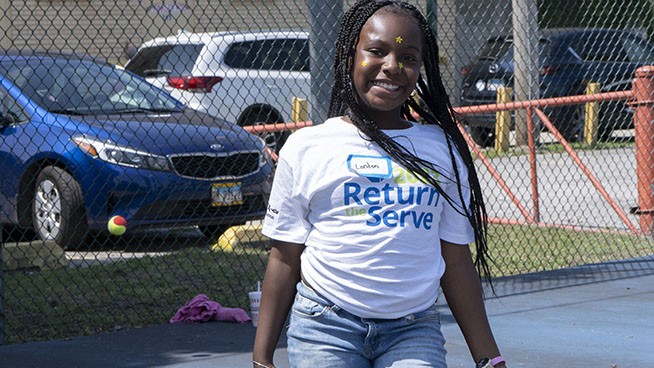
[(643, 86), (525, 55), (324, 20), (432, 16)]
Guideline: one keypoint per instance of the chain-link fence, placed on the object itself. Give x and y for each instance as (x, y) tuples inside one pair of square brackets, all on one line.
[(87, 147)]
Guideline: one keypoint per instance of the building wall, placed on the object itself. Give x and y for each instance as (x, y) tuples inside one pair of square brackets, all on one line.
[(105, 28)]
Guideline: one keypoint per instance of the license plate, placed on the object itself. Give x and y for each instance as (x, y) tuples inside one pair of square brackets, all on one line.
[(226, 194)]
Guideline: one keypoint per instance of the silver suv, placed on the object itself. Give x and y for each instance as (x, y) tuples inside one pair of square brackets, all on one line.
[(245, 77)]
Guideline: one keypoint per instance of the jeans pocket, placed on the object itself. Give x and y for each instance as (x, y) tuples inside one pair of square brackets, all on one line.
[(429, 314), (307, 307)]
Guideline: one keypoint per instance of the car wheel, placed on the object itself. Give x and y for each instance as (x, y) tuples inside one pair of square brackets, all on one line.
[(213, 231), (604, 134), (484, 137), (571, 124), (57, 208), (274, 140)]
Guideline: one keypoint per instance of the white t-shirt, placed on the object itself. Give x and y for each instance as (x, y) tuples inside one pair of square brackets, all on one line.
[(372, 230)]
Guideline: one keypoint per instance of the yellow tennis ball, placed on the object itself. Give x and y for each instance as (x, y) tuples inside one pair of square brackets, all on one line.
[(117, 225)]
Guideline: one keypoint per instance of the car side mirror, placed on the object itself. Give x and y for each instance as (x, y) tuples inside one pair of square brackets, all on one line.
[(130, 51), (8, 119)]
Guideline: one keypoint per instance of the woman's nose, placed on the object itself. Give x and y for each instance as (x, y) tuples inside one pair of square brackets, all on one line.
[(391, 65)]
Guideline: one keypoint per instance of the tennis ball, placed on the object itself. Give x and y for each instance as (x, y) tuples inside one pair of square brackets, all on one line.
[(117, 225)]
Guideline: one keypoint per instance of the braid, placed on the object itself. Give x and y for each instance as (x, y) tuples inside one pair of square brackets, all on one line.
[(436, 110)]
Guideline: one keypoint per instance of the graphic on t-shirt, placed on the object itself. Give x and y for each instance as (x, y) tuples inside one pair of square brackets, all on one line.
[(394, 198)]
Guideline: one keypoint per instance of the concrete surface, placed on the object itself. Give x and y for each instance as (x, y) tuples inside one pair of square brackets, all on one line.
[(591, 316)]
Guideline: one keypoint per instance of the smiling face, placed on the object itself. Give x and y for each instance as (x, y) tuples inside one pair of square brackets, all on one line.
[(386, 66)]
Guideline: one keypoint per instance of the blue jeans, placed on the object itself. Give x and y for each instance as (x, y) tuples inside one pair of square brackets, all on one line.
[(323, 335)]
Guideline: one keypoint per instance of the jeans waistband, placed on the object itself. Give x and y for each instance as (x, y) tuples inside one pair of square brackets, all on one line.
[(308, 292)]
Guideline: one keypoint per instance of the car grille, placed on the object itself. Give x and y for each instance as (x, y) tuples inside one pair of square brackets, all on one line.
[(203, 166), (252, 207)]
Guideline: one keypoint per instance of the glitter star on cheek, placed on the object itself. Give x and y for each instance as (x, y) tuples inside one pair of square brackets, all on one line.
[(364, 63), (398, 39), (400, 65)]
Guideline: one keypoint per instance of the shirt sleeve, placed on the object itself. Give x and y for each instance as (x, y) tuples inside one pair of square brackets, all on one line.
[(454, 226), (286, 216)]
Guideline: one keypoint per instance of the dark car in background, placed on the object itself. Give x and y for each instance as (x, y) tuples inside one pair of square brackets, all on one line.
[(82, 141), (569, 59)]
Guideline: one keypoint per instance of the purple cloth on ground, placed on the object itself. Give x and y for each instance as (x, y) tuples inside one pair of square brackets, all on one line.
[(201, 309)]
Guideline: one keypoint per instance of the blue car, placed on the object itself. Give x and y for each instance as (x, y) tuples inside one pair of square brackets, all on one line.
[(82, 141), (569, 59)]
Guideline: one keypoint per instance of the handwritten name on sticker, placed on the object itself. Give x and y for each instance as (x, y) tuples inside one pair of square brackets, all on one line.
[(370, 166)]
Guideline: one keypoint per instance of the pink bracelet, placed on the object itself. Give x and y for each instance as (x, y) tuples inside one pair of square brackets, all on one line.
[(497, 360)]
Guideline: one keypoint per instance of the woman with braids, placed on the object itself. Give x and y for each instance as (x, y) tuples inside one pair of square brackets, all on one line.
[(371, 212)]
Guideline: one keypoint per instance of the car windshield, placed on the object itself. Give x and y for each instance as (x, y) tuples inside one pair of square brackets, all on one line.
[(81, 87), (501, 49), (495, 49)]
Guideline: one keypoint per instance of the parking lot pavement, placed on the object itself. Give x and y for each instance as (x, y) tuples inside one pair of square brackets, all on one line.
[(589, 316)]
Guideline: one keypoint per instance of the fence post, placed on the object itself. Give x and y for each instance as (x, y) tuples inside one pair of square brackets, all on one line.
[(643, 87), (503, 121), (591, 117), (524, 18), (324, 20)]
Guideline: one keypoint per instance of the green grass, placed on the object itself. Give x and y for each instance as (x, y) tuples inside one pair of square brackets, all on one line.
[(127, 294), (523, 249), (148, 291)]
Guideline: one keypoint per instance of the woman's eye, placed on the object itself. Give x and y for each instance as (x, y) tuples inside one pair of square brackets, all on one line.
[(375, 52), (410, 59)]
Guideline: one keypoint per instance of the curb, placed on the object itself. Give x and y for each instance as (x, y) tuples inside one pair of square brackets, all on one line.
[(34, 254), (240, 236)]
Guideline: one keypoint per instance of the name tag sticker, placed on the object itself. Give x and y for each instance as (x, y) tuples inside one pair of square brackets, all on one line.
[(370, 166)]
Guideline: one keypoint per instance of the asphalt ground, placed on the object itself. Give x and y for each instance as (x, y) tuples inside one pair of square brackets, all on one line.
[(590, 316)]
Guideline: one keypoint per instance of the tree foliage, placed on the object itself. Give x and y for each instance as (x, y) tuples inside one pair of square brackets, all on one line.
[(632, 14)]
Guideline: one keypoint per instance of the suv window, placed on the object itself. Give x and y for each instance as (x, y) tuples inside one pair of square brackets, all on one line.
[(601, 47), (638, 50), (279, 54), (175, 60)]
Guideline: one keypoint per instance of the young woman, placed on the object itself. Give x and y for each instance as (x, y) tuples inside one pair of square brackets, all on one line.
[(371, 212)]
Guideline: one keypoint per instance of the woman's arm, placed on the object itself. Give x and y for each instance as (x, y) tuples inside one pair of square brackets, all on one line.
[(282, 274), (463, 292)]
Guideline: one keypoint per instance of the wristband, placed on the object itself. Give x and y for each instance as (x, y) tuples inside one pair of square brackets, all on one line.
[(259, 364), (497, 360)]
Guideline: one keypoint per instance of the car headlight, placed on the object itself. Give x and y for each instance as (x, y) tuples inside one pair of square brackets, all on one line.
[(267, 155), (124, 156)]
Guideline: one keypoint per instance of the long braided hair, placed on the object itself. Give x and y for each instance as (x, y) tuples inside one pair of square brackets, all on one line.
[(435, 109)]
